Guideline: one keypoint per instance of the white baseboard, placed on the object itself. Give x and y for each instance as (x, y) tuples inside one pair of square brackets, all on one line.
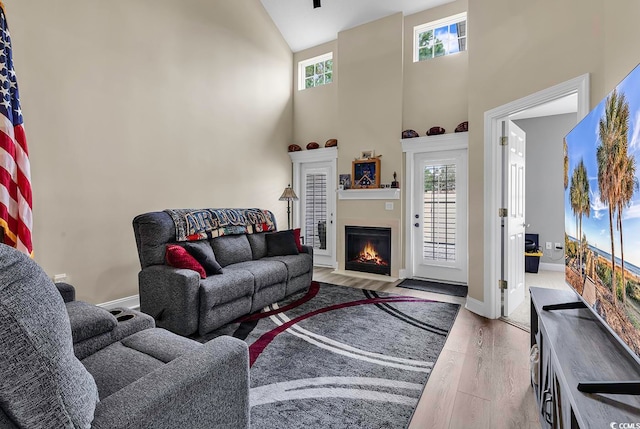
[(333, 265), (402, 273), (132, 302), (367, 276), (477, 307), (551, 267)]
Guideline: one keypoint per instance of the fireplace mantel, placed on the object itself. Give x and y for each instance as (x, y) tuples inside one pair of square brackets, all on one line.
[(369, 194)]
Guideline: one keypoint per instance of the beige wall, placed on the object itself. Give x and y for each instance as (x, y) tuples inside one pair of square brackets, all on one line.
[(519, 48), (143, 105), (378, 92), (370, 117), (316, 109), (622, 51), (119, 96), (516, 48), (434, 91)]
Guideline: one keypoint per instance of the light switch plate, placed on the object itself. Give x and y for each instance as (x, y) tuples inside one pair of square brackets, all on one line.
[(388, 206)]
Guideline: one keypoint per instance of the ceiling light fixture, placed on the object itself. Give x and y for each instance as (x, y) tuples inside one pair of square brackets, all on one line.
[(316, 3)]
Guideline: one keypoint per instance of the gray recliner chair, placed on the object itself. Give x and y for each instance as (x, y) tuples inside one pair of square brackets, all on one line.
[(150, 379)]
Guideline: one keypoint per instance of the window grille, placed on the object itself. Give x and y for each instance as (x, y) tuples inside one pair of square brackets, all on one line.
[(315, 71), (439, 38)]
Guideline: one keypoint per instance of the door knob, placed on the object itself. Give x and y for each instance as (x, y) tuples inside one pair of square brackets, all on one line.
[(417, 216), (416, 224)]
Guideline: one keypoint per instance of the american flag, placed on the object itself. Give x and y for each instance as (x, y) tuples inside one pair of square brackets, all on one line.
[(15, 177)]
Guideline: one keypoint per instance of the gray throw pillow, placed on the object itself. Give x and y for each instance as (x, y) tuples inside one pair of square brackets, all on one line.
[(281, 243), (42, 383), (258, 244), (231, 249), (203, 253)]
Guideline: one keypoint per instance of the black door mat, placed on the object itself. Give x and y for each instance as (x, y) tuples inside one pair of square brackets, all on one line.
[(435, 287)]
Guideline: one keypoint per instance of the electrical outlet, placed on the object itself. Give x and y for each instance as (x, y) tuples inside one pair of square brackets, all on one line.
[(388, 206), (59, 278), (547, 245)]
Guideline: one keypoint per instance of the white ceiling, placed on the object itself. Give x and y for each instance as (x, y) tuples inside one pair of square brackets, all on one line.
[(568, 104), (303, 27)]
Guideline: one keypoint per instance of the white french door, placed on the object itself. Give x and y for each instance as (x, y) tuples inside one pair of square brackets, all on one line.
[(439, 218), (317, 210), (513, 199)]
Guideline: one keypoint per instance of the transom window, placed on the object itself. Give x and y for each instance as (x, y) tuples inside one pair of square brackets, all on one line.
[(315, 71), (439, 38)]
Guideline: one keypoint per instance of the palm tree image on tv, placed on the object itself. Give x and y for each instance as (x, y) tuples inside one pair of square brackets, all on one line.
[(580, 204), (602, 210)]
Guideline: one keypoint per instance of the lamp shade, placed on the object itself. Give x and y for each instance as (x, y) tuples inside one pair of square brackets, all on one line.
[(288, 194)]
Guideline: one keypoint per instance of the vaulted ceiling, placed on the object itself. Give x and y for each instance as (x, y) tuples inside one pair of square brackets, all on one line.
[(304, 26)]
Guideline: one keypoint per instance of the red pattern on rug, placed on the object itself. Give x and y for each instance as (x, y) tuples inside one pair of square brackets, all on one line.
[(256, 349)]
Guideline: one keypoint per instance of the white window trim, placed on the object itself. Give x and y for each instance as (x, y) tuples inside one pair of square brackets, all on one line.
[(308, 62), (436, 24)]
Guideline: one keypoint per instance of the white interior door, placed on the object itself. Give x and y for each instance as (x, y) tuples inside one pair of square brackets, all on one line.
[(513, 199), (439, 221), (317, 208)]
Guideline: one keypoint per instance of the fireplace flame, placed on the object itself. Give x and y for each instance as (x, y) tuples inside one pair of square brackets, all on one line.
[(370, 255)]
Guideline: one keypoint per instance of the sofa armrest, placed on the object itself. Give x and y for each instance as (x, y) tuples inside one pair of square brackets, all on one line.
[(207, 388), (307, 249), (128, 322), (171, 296), (67, 291)]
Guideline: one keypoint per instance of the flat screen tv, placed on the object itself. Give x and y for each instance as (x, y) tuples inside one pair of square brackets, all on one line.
[(602, 211)]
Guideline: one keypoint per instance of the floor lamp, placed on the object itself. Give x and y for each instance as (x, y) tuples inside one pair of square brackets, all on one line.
[(288, 195)]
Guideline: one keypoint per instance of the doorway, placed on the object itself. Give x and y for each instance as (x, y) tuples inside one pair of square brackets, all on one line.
[(440, 218), (513, 216), (491, 305), (317, 209), (436, 207), (314, 179)]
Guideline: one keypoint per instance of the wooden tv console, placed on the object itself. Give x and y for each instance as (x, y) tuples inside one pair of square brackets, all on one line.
[(575, 347)]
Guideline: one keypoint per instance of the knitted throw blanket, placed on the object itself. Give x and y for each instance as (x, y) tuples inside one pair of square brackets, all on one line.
[(198, 224)]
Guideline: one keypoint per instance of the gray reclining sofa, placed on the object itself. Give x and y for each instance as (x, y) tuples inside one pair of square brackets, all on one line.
[(116, 379), (183, 302)]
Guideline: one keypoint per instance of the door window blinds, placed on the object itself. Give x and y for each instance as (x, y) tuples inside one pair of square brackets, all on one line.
[(439, 216), (315, 209)]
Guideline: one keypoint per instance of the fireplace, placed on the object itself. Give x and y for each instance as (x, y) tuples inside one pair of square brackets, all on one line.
[(368, 249)]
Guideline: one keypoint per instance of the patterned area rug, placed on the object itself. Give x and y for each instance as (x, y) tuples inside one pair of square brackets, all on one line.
[(338, 357)]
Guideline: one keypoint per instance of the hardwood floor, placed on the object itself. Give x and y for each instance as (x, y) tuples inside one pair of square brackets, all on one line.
[(481, 378)]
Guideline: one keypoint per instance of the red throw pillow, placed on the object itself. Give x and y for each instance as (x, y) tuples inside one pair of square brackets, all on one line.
[(296, 236), (178, 257)]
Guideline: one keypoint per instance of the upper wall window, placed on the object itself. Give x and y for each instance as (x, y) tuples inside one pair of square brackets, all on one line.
[(439, 38), (315, 71)]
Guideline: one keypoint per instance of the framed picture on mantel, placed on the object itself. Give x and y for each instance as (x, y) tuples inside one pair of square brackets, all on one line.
[(366, 173)]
